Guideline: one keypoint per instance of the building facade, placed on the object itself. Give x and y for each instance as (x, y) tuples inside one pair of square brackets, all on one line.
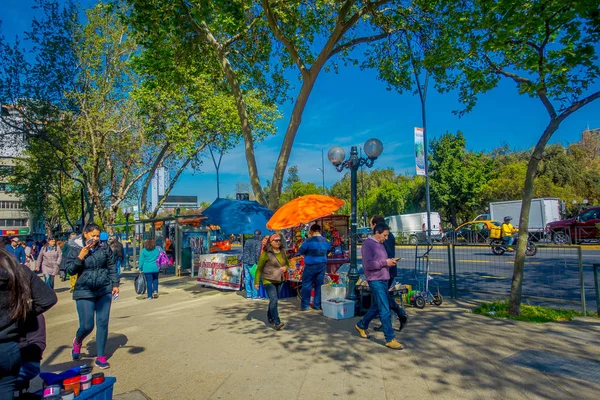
[(15, 220)]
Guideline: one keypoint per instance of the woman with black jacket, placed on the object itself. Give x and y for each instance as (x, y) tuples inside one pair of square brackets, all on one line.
[(22, 295), (97, 283)]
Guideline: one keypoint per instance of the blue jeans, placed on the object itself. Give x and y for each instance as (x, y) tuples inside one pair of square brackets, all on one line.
[(86, 309), (381, 307), (49, 279), (273, 291), (251, 292), (118, 263), (313, 275), (508, 240), (10, 362), (28, 371), (151, 283)]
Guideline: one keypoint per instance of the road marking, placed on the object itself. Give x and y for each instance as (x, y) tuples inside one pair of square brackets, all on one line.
[(474, 261), (493, 277)]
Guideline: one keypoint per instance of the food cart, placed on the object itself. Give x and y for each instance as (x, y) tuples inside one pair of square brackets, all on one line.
[(336, 228)]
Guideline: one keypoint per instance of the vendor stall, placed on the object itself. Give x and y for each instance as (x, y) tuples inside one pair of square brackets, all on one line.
[(336, 229), (222, 271)]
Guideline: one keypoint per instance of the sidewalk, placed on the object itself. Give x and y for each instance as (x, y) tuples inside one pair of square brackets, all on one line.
[(194, 343)]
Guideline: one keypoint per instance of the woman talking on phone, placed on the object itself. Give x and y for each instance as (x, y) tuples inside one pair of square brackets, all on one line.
[(97, 284)]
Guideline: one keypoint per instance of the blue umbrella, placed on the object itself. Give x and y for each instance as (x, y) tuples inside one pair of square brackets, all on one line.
[(238, 216)]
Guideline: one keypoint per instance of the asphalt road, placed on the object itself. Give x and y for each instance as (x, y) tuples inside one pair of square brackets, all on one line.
[(553, 273)]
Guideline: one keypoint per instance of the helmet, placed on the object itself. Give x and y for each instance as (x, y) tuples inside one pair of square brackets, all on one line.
[(507, 218)]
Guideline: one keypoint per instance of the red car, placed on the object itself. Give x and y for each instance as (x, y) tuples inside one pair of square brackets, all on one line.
[(581, 228)]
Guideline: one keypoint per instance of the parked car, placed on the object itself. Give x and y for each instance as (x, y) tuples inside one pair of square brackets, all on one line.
[(471, 232), (362, 234), (581, 228)]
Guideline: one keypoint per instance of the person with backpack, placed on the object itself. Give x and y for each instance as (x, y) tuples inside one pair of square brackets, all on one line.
[(97, 283), (148, 265)]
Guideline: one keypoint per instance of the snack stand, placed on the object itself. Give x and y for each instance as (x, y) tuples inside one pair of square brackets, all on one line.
[(336, 228), (222, 271)]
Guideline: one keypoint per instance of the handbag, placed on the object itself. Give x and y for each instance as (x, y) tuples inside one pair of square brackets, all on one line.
[(140, 284)]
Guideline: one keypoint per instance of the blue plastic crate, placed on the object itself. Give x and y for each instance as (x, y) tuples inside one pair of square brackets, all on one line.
[(104, 391)]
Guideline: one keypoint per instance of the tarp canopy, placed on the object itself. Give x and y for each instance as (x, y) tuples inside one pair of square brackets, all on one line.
[(238, 216)]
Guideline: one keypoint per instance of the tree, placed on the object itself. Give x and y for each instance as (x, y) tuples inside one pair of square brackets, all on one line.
[(292, 176), (457, 177), (298, 189), (106, 128), (548, 48), (306, 36)]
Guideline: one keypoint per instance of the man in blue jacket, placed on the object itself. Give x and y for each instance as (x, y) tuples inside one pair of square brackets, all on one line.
[(16, 250), (314, 249)]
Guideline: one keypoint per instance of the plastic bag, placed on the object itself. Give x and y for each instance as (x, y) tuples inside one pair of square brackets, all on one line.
[(252, 271), (140, 284)]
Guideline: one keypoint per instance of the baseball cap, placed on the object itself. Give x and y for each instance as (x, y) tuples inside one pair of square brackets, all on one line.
[(15, 239)]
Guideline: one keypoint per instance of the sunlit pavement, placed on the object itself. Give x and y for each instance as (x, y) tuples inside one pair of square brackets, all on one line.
[(198, 343)]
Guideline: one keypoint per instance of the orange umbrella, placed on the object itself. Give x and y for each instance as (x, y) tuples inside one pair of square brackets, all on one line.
[(303, 210)]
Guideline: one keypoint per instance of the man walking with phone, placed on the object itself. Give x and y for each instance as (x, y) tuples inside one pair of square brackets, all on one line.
[(376, 265), (390, 248)]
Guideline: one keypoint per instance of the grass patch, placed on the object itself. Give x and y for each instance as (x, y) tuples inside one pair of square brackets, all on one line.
[(529, 313)]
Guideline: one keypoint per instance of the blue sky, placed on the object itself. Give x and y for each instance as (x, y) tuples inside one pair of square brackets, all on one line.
[(348, 108)]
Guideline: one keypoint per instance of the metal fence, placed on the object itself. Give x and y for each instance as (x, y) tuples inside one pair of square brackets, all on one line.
[(559, 275)]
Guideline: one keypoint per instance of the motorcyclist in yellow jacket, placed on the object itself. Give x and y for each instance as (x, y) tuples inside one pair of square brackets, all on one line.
[(507, 233)]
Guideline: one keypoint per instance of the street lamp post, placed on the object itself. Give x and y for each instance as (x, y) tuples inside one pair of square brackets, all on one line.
[(373, 149), (322, 169)]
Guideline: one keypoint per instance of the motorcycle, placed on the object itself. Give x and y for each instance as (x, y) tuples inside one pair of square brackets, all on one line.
[(499, 247)]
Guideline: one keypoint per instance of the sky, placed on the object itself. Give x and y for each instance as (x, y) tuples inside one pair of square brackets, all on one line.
[(348, 108)]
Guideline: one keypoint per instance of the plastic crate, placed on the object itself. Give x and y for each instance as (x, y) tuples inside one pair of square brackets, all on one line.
[(338, 310), (103, 391), (332, 292)]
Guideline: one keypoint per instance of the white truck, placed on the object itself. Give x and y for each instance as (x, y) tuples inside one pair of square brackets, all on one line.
[(542, 211), (412, 228)]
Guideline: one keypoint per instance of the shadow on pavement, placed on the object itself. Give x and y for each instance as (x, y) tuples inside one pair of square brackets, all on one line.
[(449, 348)]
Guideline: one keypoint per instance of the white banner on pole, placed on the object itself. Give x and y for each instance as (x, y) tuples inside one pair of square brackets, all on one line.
[(419, 151)]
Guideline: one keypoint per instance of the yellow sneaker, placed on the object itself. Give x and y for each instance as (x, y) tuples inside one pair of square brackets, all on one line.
[(362, 332), (394, 344), (510, 249)]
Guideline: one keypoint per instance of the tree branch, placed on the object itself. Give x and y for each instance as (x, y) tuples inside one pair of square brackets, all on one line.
[(577, 105), (357, 41), (283, 39), (241, 34), (500, 71)]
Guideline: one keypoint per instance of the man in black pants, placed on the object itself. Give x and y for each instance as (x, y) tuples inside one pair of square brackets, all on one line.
[(390, 248)]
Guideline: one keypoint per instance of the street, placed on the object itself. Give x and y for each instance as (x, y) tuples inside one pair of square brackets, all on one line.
[(553, 273)]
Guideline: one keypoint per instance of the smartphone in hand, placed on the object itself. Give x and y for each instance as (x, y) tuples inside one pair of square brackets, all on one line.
[(89, 242), (115, 296)]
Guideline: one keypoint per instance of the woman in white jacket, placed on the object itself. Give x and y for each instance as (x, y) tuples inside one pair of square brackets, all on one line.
[(49, 261)]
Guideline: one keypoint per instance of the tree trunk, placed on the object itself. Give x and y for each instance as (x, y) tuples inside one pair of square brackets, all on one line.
[(516, 289), (290, 135), (242, 112)]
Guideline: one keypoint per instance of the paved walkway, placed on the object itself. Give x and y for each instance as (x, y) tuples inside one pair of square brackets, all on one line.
[(195, 344)]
